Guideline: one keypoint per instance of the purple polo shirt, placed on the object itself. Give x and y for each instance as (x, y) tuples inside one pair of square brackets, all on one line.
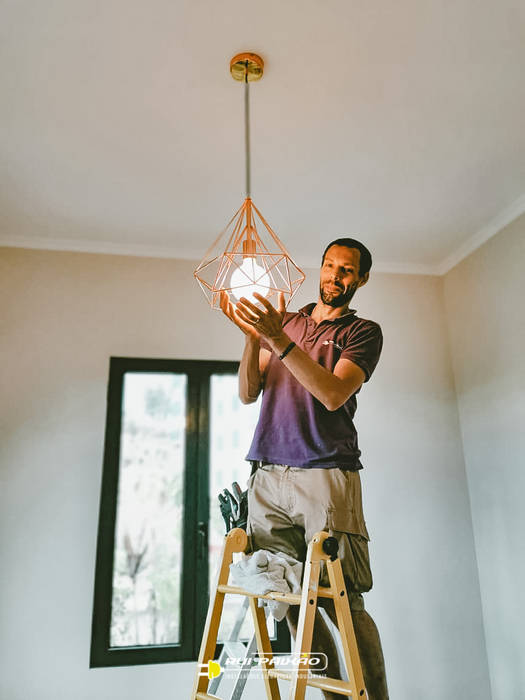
[(295, 428)]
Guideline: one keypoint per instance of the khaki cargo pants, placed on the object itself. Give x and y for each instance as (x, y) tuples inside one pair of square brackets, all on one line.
[(288, 505)]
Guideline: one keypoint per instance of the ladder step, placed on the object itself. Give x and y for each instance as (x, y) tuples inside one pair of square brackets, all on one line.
[(206, 696), (333, 684), (292, 598)]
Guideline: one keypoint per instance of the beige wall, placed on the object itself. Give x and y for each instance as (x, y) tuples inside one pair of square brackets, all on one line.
[(63, 315), (485, 297)]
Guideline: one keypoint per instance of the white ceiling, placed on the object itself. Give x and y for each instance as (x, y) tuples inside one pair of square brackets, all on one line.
[(399, 123)]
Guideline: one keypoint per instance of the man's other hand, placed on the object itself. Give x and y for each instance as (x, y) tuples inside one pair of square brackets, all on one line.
[(228, 310), (267, 321)]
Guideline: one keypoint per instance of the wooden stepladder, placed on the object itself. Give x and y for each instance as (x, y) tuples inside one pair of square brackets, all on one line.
[(321, 548)]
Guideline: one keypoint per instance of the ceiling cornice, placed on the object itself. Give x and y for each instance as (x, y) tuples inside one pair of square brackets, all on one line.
[(491, 228), (100, 247)]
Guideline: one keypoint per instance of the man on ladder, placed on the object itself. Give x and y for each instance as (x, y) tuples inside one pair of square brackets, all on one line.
[(310, 366)]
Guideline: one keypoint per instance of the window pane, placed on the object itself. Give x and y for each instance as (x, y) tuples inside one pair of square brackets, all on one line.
[(148, 535), (232, 425)]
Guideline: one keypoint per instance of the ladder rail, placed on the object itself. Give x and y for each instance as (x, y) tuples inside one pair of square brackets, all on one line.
[(235, 541), (265, 649), (344, 622)]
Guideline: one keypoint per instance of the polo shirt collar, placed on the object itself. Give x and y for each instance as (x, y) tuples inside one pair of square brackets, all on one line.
[(307, 311)]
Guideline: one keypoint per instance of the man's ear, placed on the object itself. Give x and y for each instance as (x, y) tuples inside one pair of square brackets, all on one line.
[(364, 279)]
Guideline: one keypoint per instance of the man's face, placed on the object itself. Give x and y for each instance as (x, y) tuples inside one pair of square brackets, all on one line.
[(340, 275)]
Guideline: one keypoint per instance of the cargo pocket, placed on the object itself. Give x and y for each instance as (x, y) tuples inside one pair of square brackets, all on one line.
[(346, 520), (353, 550)]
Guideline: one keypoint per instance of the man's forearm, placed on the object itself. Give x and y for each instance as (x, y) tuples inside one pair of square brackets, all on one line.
[(330, 390), (250, 380)]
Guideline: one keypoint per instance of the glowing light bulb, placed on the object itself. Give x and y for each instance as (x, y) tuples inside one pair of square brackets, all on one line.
[(249, 278)]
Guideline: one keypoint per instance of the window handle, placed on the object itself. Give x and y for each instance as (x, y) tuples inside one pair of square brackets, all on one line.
[(202, 536)]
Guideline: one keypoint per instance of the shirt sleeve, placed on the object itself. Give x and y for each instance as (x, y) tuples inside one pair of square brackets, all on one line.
[(364, 346)]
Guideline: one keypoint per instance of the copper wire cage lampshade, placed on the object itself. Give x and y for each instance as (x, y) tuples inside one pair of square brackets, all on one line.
[(248, 256)]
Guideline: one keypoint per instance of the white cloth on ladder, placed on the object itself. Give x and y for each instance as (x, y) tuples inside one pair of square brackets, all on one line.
[(264, 572)]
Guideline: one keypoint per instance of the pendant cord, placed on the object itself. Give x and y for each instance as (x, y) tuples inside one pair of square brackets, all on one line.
[(247, 130)]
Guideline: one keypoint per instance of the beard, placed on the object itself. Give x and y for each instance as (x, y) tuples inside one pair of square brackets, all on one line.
[(337, 299)]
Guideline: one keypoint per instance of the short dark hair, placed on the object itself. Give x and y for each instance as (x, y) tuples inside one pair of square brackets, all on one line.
[(365, 258)]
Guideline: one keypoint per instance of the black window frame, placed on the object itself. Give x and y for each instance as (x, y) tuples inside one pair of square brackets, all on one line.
[(194, 592)]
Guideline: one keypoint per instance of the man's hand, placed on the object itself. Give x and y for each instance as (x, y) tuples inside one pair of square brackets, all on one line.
[(267, 322), (229, 311), (254, 359)]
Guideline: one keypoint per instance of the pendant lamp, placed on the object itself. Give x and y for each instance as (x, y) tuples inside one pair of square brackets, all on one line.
[(247, 256)]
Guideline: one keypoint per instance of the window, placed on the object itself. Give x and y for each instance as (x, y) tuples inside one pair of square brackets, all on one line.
[(176, 435)]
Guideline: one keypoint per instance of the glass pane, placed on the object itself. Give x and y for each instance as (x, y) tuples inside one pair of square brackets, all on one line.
[(232, 425), (148, 535)]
